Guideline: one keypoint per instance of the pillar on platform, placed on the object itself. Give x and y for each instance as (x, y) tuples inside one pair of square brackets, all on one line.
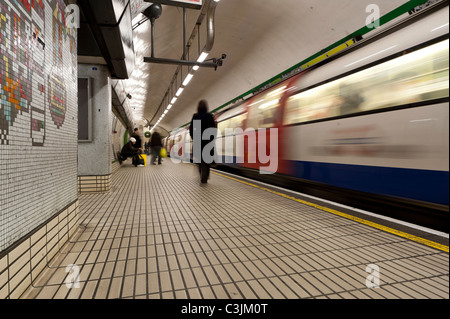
[(94, 154)]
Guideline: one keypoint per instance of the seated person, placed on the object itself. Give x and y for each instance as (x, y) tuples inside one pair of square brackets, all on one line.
[(128, 150)]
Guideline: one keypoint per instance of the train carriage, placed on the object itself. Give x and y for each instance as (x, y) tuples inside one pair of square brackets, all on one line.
[(371, 123)]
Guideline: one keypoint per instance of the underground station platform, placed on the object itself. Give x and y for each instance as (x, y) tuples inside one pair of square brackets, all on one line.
[(161, 234)]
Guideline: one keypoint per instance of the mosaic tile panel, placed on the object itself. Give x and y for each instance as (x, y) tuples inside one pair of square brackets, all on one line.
[(38, 115)]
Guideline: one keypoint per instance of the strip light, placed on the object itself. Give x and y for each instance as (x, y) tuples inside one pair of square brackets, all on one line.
[(188, 79), (202, 57), (180, 90)]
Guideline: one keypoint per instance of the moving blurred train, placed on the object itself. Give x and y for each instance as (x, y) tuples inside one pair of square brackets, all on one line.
[(368, 127)]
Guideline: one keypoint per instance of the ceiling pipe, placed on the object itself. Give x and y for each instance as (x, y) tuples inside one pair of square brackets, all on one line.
[(210, 29), (208, 11), (184, 34)]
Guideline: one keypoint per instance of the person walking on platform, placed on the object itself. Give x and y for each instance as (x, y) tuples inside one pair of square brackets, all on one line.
[(156, 145), (203, 131), (129, 150)]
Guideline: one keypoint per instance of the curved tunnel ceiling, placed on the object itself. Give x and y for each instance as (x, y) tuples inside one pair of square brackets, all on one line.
[(261, 38)]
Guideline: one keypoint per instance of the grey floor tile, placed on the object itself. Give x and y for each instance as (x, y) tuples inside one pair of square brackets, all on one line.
[(159, 234)]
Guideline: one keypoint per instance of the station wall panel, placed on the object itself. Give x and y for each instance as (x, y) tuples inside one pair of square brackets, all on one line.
[(38, 116)]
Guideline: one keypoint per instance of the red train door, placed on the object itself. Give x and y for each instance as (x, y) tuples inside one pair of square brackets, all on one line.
[(286, 141), (265, 139), (261, 136)]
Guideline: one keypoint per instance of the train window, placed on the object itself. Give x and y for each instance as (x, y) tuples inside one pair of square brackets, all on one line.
[(317, 103), (221, 126), (231, 123), (263, 111), (419, 76), (252, 121), (238, 121)]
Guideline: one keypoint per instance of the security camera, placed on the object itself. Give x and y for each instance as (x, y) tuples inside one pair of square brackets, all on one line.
[(224, 56)]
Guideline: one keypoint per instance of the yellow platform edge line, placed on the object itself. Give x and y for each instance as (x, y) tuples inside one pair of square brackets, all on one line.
[(356, 219)]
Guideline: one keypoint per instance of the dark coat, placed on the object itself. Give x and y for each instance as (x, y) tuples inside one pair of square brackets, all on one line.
[(207, 121), (129, 149), (155, 140), (138, 140)]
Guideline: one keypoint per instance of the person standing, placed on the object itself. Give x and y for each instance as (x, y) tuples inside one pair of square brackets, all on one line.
[(137, 136), (202, 121), (156, 145)]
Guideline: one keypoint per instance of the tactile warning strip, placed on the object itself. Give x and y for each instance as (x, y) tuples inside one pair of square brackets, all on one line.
[(159, 233)]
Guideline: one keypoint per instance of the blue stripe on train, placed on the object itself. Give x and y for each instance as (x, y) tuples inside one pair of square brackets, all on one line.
[(423, 185)]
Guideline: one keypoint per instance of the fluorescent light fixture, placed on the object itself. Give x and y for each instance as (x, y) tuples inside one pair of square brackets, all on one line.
[(173, 100), (196, 67), (169, 106), (165, 112), (180, 90), (202, 57), (188, 79)]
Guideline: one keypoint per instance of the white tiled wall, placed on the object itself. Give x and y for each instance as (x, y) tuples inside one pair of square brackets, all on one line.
[(38, 116), (22, 264)]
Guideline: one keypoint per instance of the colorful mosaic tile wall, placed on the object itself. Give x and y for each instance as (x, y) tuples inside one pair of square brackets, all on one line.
[(38, 115)]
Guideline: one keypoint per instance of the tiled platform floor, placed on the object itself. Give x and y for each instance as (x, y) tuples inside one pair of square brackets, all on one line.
[(159, 233)]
